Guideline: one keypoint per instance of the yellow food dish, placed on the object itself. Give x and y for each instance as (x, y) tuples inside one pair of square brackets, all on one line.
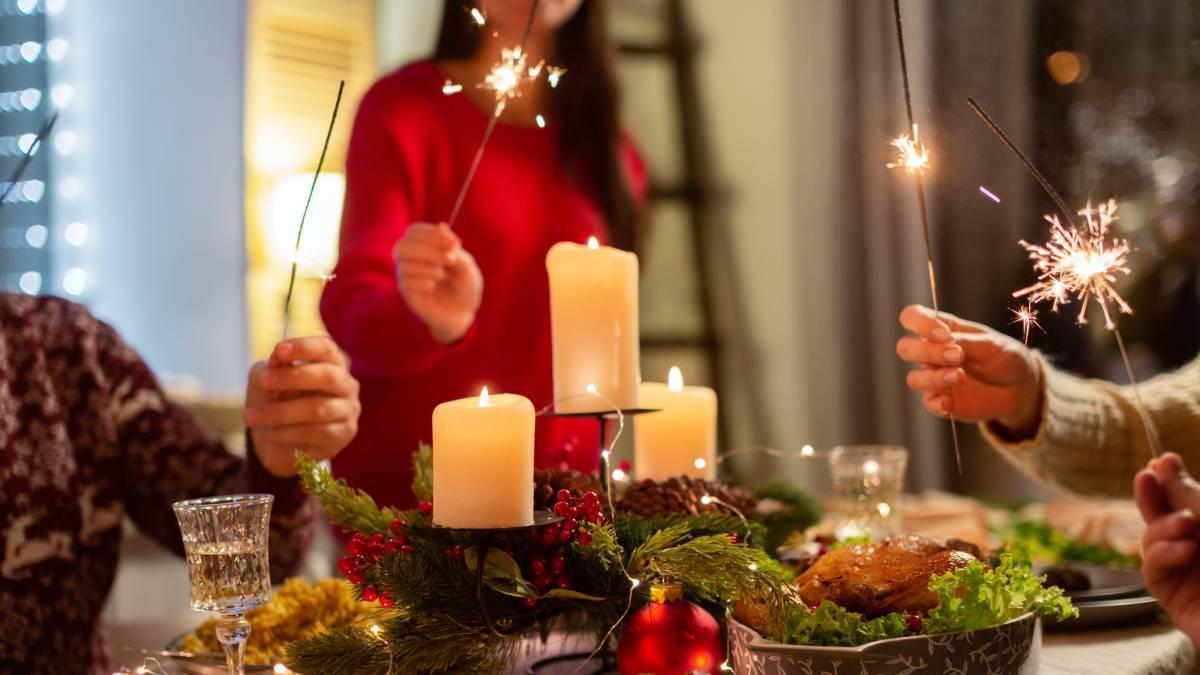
[(299, 610)]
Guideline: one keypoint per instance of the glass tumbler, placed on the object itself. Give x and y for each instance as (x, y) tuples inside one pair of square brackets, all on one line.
[(867, 481)]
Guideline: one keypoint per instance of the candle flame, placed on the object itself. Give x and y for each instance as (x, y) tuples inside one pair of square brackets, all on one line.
[(593, 243), (484, 401), (700, 463), (675, 379)]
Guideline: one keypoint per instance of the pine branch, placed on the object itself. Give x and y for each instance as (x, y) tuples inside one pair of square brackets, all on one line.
[(344, 650), (635, 530), (714, 569), (350, 509)]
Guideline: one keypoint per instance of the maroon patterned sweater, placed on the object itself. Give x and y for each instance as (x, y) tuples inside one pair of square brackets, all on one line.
[(87, 436)]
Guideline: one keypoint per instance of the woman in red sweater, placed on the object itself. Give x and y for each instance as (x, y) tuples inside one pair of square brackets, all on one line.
[(430, 314)]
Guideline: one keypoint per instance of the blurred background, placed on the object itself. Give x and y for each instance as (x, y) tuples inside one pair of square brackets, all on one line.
[(781, 251)]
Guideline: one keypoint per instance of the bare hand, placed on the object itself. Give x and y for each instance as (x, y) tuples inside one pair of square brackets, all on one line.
[(439, 280), (970, 370), (1169, 499), (303, 398)]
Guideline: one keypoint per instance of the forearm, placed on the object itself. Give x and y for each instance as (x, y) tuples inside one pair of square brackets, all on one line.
[(1091, 439)]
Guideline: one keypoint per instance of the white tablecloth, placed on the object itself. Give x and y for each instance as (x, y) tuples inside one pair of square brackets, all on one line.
[(1156, 649)]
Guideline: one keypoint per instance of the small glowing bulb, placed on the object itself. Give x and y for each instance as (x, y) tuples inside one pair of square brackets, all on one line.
[(37, 235), (375, 629), (281, 669), (593, 243), (25, 142), (30, 51), (706, 500), (57, 48), (62, 94), (634, 582), (478, 16), (75, 281), (30, 98), (700, 463), (591, 389), (618, 475), (605, 454), (807, 451), (30, 283), (753, 567), (884, 509), (675, 379), (76, 234), (541, 121), (871, 466), (484, 401), (65, 141), (26, 6)]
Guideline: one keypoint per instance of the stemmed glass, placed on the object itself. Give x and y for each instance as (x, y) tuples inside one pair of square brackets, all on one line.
[(225, 539)]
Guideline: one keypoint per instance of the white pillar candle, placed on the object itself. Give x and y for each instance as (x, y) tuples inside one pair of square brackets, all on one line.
[(483, 462), (681, 439), (594, 325)]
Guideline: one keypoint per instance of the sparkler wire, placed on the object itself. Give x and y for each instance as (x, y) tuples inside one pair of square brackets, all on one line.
[(491, 127), (287, 301), (42, 135), (1151, 431), (920, 189)]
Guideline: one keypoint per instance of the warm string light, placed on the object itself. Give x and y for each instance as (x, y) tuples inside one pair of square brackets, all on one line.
[(914, 158), (709, 499)]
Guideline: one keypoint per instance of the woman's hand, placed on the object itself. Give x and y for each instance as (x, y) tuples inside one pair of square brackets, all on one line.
[(439, 280), (971, 371), (1169, 500), (302, 398)]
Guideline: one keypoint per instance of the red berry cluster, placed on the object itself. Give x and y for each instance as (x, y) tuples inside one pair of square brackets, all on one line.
[(915, 623), (364, 551), (574, 511)]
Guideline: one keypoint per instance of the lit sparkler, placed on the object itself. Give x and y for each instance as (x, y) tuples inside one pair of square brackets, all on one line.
[(914, 158), (1027, 316), (506, 80), (1080, 262), (912, 155)]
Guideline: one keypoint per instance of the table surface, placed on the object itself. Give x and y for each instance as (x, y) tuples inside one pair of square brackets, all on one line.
[(1154, 649)]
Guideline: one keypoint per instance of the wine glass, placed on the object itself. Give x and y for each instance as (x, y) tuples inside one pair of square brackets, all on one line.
[(225, 539)]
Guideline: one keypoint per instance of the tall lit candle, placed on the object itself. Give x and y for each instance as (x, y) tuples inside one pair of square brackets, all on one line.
[(483, 462), (681, 439), (594, 324)]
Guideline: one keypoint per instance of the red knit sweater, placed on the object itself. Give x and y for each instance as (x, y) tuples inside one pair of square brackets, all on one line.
[(409, 152)]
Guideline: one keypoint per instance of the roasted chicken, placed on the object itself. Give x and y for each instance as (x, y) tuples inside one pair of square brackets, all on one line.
[(888, 576)]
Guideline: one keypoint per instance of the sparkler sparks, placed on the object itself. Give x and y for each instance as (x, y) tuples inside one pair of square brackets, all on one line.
[(989, 194), (1027, 316), (912, 155), (451, 88), (1080, 262)]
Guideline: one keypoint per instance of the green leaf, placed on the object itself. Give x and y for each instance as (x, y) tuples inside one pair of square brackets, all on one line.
[(500, 572), (422, 484), (567, 594)]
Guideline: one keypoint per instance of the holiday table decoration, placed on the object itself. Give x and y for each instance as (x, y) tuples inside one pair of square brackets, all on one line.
[(680, 439), (670, 636), (587, 570)]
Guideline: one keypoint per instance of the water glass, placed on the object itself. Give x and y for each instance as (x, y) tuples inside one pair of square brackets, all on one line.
[(867, 482), (225, 540)]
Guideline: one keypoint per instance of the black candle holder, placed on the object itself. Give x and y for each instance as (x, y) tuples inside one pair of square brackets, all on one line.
[(601, 417), (485, 535)]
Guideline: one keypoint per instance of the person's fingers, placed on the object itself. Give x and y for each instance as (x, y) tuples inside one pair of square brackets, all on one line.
[(417, 286), (937, 403), (326, 378), (1178, 525), (407, 251), (1182, 491), (302, 411), (438, 236), (311, 349), (977, 347), (935, 379), (318, 440), (924, 352), (422, 268), (1162, 559), (920, 320), (1149, 495)]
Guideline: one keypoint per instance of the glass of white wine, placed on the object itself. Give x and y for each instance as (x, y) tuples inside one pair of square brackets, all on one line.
[(225, 540)]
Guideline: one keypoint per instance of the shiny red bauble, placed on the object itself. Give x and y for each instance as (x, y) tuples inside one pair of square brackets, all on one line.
[(671, 638)]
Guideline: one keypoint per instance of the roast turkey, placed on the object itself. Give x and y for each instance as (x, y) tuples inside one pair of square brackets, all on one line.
[(887, 576)]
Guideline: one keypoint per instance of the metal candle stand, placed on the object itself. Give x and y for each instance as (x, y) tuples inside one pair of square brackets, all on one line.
[(607, 661)]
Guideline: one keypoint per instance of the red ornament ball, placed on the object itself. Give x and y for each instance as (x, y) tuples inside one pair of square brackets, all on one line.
[(671, 638)]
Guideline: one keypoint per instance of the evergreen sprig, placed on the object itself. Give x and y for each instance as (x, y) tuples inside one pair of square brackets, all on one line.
[(350, 509)]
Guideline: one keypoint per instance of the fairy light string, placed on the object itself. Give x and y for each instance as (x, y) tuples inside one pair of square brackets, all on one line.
[(914, 158), (1079, 263)]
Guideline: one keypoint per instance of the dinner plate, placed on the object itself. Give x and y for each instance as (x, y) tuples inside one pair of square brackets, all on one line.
[(205, 664), (1108, 613), (1107, 583)]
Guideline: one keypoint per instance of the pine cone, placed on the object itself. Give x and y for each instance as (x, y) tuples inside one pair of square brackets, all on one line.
[(547, 483), (682, 494)]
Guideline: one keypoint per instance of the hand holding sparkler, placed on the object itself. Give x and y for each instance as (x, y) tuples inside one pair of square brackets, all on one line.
[(994, 378), (439, 280)]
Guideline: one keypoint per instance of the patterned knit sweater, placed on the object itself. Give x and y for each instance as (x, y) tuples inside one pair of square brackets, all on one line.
[(1091, 440), (86, 438)]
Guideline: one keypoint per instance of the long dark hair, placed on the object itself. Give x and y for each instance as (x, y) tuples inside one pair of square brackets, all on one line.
[(584, 106)]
